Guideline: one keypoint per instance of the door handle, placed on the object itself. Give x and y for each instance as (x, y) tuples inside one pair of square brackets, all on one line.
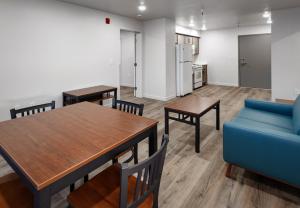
[(243, 61)]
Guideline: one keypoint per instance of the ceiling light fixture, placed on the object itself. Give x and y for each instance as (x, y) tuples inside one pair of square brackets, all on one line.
[(266, 14), (192, 24), (203, 28), (142, 7), (269, 21)]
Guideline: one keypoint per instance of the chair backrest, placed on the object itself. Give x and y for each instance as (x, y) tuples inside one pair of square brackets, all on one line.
[(128, 107), (148, 178), (32, 110)]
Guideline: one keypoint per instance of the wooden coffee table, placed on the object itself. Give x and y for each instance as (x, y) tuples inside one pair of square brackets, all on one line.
[(97, 93), (189, 110)]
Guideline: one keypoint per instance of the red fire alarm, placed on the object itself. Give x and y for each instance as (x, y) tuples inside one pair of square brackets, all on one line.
[(107, 21)]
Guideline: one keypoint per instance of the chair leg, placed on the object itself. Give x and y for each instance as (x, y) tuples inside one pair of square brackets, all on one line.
[(155, 198), (228, 171), (135, 154)]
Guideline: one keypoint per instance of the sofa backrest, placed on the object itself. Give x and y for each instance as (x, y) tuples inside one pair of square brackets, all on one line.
[(296, 116)]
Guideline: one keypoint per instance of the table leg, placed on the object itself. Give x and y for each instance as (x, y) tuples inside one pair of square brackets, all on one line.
[(116, 94), (197, 134), (218, 116), (64, 100), (153, 141), (166, 121), (72, 187), (86, 178), (42, 199), (101, 99)]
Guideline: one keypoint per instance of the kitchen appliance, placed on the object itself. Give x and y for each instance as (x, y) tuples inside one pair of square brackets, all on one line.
[(184, 72), (197, 76)]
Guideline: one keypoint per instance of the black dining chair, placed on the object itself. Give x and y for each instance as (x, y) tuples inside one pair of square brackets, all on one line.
[(128, 107), (124, 186), (133, 108), (31, 110)]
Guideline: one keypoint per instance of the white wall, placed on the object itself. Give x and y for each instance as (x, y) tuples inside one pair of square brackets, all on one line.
[(171, 60), (159, 59), (219, 49), (286, 53), (47, 47), (127, 59)]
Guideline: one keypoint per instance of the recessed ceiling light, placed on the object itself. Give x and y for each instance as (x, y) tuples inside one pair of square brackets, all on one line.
[(269, 21), (192, 24), (142, 7), (203, 28), (266, 14), (138, 15)]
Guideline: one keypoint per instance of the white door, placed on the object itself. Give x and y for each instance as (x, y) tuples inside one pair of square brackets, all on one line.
[(127, 73), (131, 62), (139, 69)]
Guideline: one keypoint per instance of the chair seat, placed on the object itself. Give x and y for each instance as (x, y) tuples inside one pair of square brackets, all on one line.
[(13, 194), (104, 191)]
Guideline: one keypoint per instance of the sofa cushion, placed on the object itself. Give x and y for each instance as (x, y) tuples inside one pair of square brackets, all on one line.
[(277, 120), (296, 116), (260, 125)]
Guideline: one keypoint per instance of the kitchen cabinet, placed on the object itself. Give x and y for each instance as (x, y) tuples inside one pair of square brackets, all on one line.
[(180, 39), (188, 40), (196, 45), (185, 39)]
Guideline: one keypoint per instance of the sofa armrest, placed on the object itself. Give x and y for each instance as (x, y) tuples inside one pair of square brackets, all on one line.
[(279, 108), (269, 152)]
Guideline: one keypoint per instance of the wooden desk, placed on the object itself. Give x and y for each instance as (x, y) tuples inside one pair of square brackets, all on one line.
[(189, 110), (51, 150), (97, 93)]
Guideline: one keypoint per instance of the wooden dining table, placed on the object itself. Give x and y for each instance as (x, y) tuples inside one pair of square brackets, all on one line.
[(51, 150)]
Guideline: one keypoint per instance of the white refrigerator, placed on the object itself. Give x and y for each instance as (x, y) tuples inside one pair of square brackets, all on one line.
[(184, 71)]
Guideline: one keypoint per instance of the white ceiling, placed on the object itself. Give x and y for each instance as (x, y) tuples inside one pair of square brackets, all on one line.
[(218, 13)]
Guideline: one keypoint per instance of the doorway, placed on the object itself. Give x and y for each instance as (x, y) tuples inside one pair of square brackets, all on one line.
[(130, 66), (255, 61)]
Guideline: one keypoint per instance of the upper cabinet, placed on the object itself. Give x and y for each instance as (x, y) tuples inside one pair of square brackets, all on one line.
[(184, 39), (180, 39), (196, 45)]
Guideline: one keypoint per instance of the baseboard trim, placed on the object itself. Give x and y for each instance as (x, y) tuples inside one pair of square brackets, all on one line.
[(223, 84), (155, 97)]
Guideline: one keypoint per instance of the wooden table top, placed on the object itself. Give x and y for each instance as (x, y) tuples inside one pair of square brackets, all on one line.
[(193, 104), (50, 145), (90, 90)]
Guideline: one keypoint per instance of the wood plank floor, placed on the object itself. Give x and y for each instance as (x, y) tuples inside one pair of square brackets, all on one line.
[(198, 180)]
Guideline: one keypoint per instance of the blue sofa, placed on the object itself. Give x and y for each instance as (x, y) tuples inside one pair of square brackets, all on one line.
[(265, 138)]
